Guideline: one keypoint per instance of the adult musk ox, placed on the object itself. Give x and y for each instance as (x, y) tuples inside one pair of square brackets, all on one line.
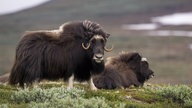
[(74, 52), (123, 71)]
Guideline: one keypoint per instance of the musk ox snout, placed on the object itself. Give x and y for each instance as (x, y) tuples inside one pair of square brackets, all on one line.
[(98, 58), (151, 74)]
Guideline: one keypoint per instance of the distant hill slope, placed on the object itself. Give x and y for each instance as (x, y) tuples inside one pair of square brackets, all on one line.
[(52, 14)]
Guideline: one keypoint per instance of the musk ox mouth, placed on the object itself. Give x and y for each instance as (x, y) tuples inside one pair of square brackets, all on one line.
[(151, 76), (98, 58)]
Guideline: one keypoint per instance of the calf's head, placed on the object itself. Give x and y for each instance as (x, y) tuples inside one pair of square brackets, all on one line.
[(145, 70), (138, 64)]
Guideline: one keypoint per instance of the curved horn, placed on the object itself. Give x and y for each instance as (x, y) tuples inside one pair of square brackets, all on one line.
[(84, 47), (108, 50)]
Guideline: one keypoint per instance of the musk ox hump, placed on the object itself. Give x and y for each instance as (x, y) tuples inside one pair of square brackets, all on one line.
[(128, 57), (133, 59), (49, 33)]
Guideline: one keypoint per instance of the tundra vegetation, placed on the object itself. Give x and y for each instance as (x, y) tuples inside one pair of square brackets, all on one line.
[(56, 94)]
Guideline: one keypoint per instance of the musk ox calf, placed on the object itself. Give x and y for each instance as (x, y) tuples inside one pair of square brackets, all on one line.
[(123, 71), (74, 52)]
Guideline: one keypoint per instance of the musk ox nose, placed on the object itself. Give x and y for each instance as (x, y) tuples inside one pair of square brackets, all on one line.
[(98, 58)]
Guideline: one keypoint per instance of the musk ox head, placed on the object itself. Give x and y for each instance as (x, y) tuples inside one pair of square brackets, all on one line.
[(93, 37), (95, 40), (138, 64), (145, 70)]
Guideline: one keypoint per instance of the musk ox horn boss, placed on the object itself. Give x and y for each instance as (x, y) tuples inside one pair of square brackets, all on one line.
[(124, 70), (74, 52)]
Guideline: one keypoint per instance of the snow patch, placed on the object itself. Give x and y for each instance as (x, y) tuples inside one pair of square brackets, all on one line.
[(174, 19), (170, 33), (145, 26), (156, 22), (12, 6)]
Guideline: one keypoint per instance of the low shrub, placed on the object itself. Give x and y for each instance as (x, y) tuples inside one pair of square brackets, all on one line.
[(178, 93), (43, 95), (4, 106), (59, 97), (69, 102)]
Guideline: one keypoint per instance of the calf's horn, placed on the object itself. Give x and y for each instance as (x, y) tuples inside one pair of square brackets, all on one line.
[(108, 50), (85, 47)]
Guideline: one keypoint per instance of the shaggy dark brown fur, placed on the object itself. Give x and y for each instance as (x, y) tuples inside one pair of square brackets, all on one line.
[(123, 71), (59, 53)]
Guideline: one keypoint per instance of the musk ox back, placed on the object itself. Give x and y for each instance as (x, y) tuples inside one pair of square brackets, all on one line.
[(123, 71), (74, 51)]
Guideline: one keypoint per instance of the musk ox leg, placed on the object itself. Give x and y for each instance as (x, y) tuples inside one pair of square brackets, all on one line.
[(70, 82), (91, 84)]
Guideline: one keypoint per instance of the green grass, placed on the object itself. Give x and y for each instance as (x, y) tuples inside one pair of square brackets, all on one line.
[(56, 95)]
